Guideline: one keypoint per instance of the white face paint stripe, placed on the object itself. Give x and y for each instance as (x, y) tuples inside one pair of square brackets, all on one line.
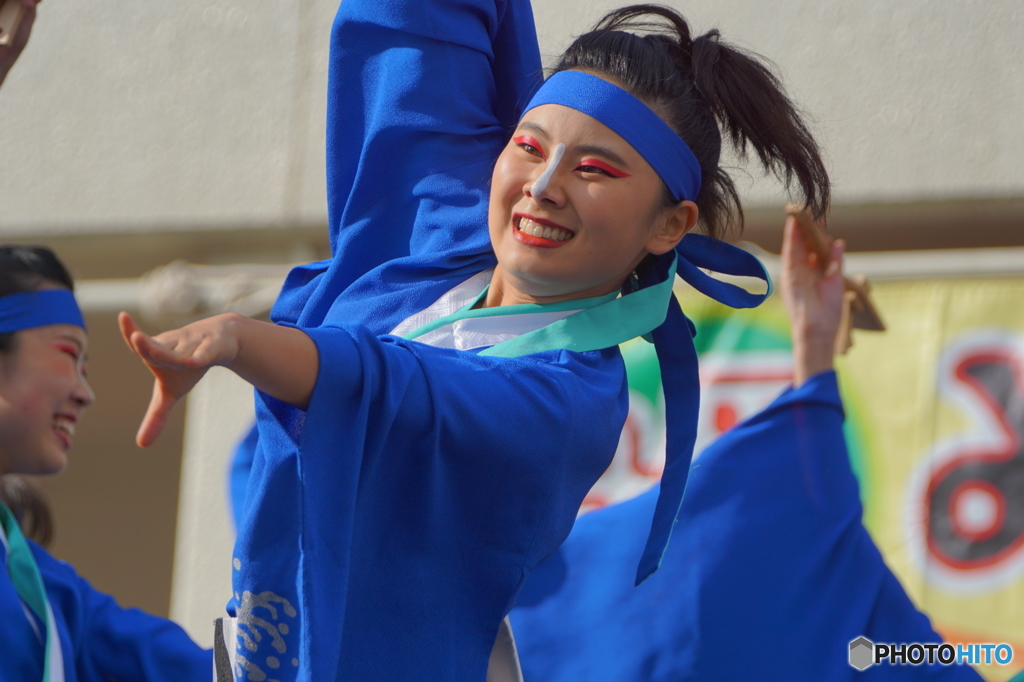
[(541, 183)]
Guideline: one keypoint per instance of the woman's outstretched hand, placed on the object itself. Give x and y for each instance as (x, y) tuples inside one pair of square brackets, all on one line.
[(813, 295), (178, 359), (283, 362)]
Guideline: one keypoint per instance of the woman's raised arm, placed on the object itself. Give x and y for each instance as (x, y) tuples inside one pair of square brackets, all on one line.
[(421, 97)]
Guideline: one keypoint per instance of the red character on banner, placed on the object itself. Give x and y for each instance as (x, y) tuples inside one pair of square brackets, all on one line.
[(975, 499)]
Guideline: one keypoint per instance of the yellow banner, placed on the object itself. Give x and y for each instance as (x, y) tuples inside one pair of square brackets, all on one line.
[(939, 402)]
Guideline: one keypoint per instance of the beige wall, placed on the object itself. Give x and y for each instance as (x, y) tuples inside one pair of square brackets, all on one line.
[(211, 113), (220, 411), (127, 116)]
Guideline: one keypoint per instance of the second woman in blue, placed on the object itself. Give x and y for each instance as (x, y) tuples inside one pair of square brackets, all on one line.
[(54, 626)]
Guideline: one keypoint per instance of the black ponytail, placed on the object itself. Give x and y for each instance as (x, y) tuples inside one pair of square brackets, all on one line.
[(703, 88)]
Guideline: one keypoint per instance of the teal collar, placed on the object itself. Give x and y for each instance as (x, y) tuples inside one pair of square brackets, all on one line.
[(602, 325), (28, 583), (468, 311), (602, 321)]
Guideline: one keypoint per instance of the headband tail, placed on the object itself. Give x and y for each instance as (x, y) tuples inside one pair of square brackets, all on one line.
[(697, 253), (677, 358), (680, 376)]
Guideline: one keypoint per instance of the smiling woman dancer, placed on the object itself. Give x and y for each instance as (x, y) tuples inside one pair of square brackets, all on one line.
[(435, 401), (53, 625)]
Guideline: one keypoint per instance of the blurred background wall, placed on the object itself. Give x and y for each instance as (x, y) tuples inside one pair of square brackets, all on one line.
[(133, 135)]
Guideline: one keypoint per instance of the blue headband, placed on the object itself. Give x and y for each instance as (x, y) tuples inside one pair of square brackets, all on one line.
[(29, 309), (632, 120)]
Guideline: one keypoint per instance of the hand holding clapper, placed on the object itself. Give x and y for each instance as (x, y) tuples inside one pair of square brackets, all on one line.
[(859, 312)]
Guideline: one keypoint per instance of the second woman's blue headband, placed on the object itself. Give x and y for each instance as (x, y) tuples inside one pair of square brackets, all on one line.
[(633, 120), (28, 309)]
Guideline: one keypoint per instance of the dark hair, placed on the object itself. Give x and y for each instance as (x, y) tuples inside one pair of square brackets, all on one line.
[(703, 88), (26, 500), (27, 268)]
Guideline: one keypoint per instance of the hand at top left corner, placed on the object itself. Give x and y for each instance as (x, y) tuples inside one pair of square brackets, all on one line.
[(9, 53)]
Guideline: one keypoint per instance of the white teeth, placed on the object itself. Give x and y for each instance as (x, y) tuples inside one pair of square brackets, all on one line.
[(535, 229), (64, 425)]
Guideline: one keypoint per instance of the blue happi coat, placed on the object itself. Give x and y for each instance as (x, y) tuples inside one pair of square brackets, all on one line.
[(100, 641)]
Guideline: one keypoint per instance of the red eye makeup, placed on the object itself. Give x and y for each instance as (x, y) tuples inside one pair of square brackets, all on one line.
[(69, 349), (601, 165), (529, 141)]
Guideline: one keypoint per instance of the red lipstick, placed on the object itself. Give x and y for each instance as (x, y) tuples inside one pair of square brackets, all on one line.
[(531, 240), (62, 435)]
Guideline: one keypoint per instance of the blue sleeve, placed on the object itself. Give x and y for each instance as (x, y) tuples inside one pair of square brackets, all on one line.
[(769, 558), (104, 642), (426, 482), (895, 619), (420, 103), (450, 406), (421, 99)]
